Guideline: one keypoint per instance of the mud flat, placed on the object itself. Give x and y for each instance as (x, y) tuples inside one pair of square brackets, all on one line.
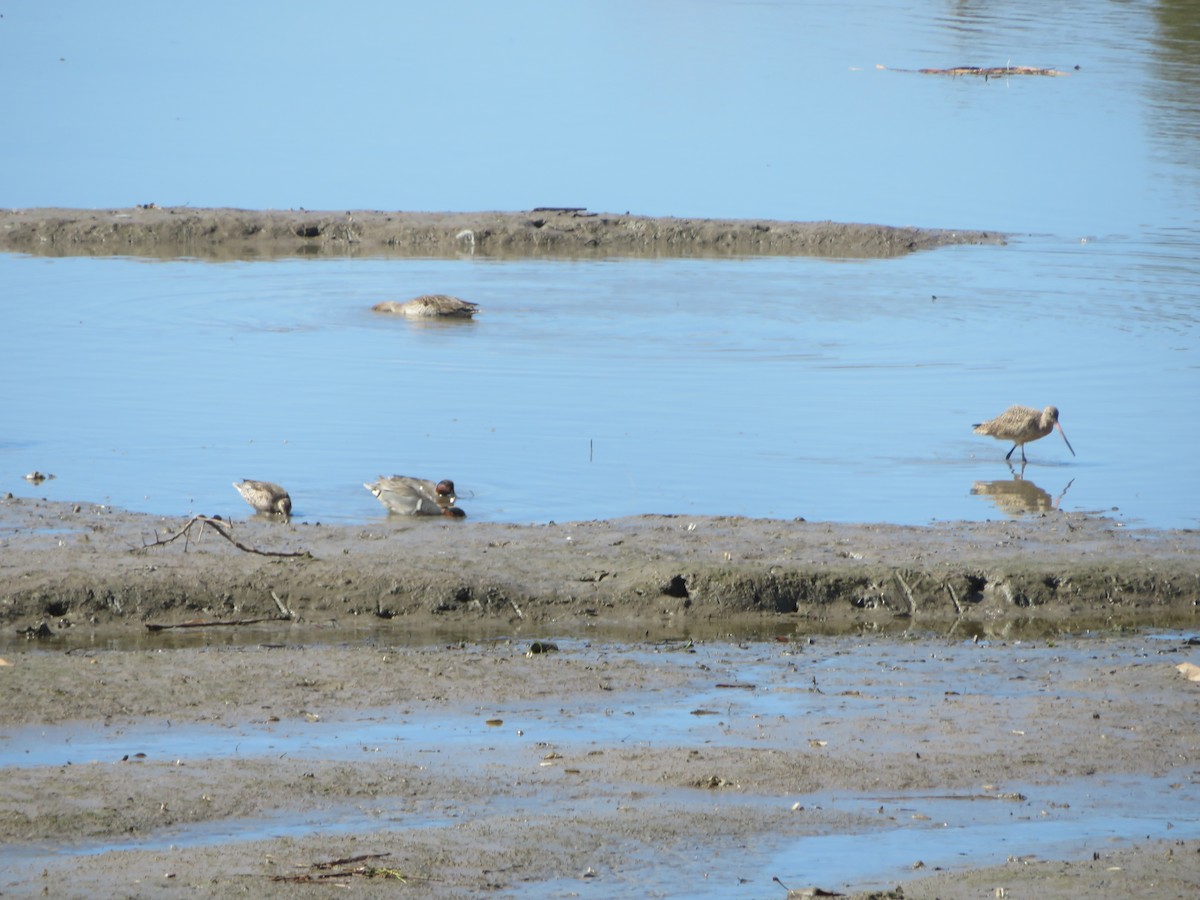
[(652, 706), (171, 232)]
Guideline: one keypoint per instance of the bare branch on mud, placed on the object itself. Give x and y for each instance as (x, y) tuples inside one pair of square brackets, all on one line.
[(337, 869), (224, 529), (346, 860)]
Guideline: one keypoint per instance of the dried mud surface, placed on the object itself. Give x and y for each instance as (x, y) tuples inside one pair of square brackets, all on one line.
[(225, 234), (721, 687)]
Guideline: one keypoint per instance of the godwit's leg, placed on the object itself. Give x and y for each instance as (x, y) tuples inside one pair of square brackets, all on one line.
[(1009, 454)]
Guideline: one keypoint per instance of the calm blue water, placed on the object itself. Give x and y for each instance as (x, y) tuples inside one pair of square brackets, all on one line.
[(770, 387)]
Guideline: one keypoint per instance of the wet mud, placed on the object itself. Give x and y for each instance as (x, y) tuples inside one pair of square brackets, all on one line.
[(632, 768), (661, 706)]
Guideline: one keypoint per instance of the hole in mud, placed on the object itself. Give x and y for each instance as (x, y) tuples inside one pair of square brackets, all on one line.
[(676, 587), (975, 587)]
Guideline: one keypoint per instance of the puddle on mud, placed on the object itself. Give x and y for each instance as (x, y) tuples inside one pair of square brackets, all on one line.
[(1067, 819), (767, 689), (917, 833), (774, 695)]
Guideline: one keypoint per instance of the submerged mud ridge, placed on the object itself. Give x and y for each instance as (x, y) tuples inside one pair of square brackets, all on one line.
[(247, 234), (82, 564)]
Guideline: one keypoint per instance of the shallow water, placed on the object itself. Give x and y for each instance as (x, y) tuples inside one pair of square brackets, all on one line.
[(827, 389), (767, 387), (816, 388)]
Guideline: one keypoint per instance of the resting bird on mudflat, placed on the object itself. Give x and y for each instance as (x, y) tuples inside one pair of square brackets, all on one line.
[(1022, 424), (430, 306), (407, 496), (266, 497)]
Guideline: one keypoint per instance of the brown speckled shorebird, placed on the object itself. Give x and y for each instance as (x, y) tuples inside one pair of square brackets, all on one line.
[(430, 306), (1021, 424), (265, 497), (406, 496)]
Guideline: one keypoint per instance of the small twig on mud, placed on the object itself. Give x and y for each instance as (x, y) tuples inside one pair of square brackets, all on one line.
[(225, 530), (381, 872), (335, 869), (517, 609), (912, 603), (283, 610), (954, 597), (347, 860), (212, 623)]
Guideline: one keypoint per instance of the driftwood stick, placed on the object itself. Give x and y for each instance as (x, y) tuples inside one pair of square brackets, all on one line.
[(346, 860), (336, 869), (225, 530), (211, 623), (283, 609)]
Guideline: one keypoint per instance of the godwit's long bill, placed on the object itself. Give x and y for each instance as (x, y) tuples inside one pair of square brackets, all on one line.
[(1021, 424)]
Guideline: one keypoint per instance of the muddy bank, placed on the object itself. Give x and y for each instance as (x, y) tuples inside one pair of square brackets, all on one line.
[(249, 234), (74, 565)]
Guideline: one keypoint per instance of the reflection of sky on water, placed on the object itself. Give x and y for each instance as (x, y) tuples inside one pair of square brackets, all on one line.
[(717, 109), (837, 390), (595, 389)]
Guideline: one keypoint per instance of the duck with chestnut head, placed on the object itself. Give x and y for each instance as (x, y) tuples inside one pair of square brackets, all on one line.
[(406, 496)]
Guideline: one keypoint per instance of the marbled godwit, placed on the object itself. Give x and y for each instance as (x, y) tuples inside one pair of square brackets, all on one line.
[(416, 496), (265, 497), (1021, 424), (430, 306)]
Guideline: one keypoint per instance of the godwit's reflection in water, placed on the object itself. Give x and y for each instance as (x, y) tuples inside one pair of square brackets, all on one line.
[(1018, 497)]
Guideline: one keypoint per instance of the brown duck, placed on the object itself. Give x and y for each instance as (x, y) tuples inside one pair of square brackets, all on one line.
[(266, 497)]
